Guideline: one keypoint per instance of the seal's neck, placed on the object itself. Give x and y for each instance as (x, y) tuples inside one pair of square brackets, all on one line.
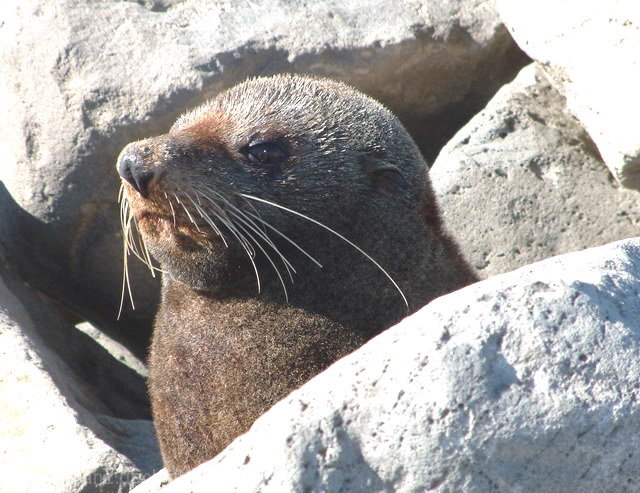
[(349, 288)]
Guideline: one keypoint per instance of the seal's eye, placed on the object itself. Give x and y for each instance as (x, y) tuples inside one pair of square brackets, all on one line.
[(267, 153)]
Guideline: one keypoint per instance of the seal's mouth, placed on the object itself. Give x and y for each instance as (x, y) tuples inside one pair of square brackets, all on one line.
[(148, 217), (155, 226), (201, 219), (168, 212), (152, 224)]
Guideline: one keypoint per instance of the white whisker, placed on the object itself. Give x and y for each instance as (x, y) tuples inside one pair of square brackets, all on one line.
[(264, 235), (238, 235), (208, 220), (240, 216), (187, 212), (132, 243), (273, 204)]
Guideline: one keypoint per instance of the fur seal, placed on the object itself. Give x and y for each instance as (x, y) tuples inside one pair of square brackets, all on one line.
[(293, 219)]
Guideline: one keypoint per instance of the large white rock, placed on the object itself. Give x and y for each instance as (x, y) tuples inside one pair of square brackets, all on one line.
[(79, 79), (522, 182), (590, 50), (528, 381), (57, 431)]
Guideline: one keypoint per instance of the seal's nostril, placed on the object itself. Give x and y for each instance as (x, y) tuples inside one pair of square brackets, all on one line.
[(130, 169)]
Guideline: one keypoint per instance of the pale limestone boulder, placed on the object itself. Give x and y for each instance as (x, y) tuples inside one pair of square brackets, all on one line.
[(590, 51), (115, 349), (81, 79), (528, 381), (522, 182), (70, 419)]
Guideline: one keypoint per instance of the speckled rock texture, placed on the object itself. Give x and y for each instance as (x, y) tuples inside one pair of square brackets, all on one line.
[(589, 51), (522, 181), (529, 381), (71, 418)]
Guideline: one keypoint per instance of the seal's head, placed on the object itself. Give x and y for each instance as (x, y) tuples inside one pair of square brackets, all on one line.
[(213, 198), (262, 185)]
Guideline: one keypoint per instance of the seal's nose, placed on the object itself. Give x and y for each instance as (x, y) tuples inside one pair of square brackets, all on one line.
[(130, 168)]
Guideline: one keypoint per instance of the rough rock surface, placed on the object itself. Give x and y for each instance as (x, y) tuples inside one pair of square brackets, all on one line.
[(524, 382), (522, 182), (81, 79), (529, 381), (590, 52), (70, 419)]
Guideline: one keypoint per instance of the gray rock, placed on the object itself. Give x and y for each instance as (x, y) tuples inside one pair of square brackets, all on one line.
[(528, 381), (70, 415), (522, 182), (81, 79), (590, 52), (100, 383), (153, 483), (116, 350)]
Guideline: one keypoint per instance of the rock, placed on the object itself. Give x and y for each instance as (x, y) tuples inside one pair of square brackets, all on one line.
[(116, 350), (590, 52), (81, 79), (101, 383), (71, 420), (529, 381), (522, 182), (153, 483)]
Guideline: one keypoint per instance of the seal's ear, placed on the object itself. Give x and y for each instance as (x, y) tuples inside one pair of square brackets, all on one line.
[(384, 174)]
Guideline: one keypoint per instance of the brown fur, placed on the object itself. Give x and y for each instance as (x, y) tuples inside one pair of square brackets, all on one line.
[(222, 353)]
